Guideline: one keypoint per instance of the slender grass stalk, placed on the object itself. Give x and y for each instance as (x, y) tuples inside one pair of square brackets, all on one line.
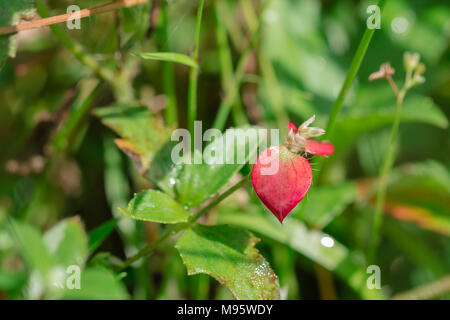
[(351, 74), (268, 73), (193, 75), (227, 76), (349, 78), (64, 139), (233, 93), (388, 162), (237, 37), (174, 229), (171, 112)]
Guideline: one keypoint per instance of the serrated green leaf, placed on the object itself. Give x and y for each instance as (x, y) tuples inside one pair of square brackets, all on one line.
[(145, 139), (198, 182), (97, 284), (323, 204), (169, 57), (333, 256), (67, 243), (99, 234), (155, 206), (228, 255), (10, 14)]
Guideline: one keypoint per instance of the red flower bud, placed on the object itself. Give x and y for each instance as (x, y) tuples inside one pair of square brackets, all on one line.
[(281, 177)]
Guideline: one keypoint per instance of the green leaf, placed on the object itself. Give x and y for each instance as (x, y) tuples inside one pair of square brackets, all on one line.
[(145, 139), (99, 234), (333, 256), (155, 206), (228, 255), (168, 56), (32, 247), (419, 193), (97, 284), (362, 120), (67, 243), (198, 182), (323, 204), (10, 14)]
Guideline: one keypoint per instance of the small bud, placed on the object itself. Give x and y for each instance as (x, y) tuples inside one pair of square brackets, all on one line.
[(385, 71), (314, 132), (411, 60), (418, 79), (305, 124), (420, 68)]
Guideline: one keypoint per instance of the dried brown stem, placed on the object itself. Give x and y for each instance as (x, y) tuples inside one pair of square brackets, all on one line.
[(68, 16)]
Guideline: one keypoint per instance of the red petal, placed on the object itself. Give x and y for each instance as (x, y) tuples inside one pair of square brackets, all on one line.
[(292, 127), (319, 148), (281, 179)]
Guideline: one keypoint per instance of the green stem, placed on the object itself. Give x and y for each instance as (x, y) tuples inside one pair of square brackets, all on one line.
[(383, 180), (232, 93), (65, 138), (227, 76), (349, 78), (193, 75), (351, 74), (171, 112), (174, 229)]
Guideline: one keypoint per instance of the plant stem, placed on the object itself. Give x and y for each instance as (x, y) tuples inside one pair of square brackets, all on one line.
[(349, 78), (171, 112), (227, 76), (115, 5), (174, 229), (351, 74), (383, 179), (193, 75)]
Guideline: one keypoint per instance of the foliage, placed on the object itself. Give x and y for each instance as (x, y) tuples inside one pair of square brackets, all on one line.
[(87, 123)]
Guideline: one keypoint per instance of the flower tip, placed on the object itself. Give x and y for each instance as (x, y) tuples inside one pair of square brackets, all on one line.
[(292, 127)]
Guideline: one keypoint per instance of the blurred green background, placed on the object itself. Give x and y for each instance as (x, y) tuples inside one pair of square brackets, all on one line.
[(59, 161)]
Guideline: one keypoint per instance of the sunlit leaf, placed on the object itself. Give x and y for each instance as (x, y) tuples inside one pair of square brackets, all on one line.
[(228, 255), (353, 124), (155, 206), (32, 247), (67, 243), (323, 204), (168, 56), (97, 283), (198, 182)]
